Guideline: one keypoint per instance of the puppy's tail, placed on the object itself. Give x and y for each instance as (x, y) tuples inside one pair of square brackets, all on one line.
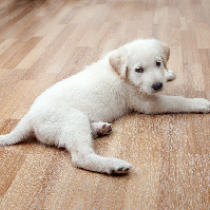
[(22, 131)]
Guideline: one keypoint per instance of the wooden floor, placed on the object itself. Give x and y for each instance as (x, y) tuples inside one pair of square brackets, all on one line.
[(45, 41)]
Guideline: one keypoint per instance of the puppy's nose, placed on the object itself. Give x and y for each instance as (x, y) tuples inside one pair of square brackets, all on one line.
[(157, 86)]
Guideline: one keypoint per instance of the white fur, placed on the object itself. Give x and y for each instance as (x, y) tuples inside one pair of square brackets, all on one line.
[(70, 112)]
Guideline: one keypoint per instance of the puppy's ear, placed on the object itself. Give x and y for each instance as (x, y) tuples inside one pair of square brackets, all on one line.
[(166, 52), (119, 62)]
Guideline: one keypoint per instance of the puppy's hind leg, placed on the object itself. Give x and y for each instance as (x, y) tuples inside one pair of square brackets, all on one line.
[(77, 139)]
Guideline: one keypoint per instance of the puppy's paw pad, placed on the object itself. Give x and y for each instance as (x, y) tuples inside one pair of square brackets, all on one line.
[(101, 128), (121, 170), (106, 128), (123, 167)]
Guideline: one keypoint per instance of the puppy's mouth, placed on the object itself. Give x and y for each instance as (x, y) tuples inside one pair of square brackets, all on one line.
[(155, 91), (152, 91)]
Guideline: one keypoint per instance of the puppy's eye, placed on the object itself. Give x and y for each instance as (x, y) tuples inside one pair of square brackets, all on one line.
[(158, 63), (139, 70)]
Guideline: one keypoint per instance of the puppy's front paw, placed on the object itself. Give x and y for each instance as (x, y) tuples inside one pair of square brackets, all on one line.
[(201, 105), (170, 75)]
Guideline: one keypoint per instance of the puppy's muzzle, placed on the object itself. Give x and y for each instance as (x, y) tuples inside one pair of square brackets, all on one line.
[(157, 86)]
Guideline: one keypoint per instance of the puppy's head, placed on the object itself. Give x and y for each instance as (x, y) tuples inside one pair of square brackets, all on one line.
[(142, 63)]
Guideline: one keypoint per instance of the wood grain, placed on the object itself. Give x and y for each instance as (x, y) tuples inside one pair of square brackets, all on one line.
[(45, 41)]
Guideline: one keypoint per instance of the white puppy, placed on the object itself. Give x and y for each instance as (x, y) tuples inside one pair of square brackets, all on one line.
[(74, 110)]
